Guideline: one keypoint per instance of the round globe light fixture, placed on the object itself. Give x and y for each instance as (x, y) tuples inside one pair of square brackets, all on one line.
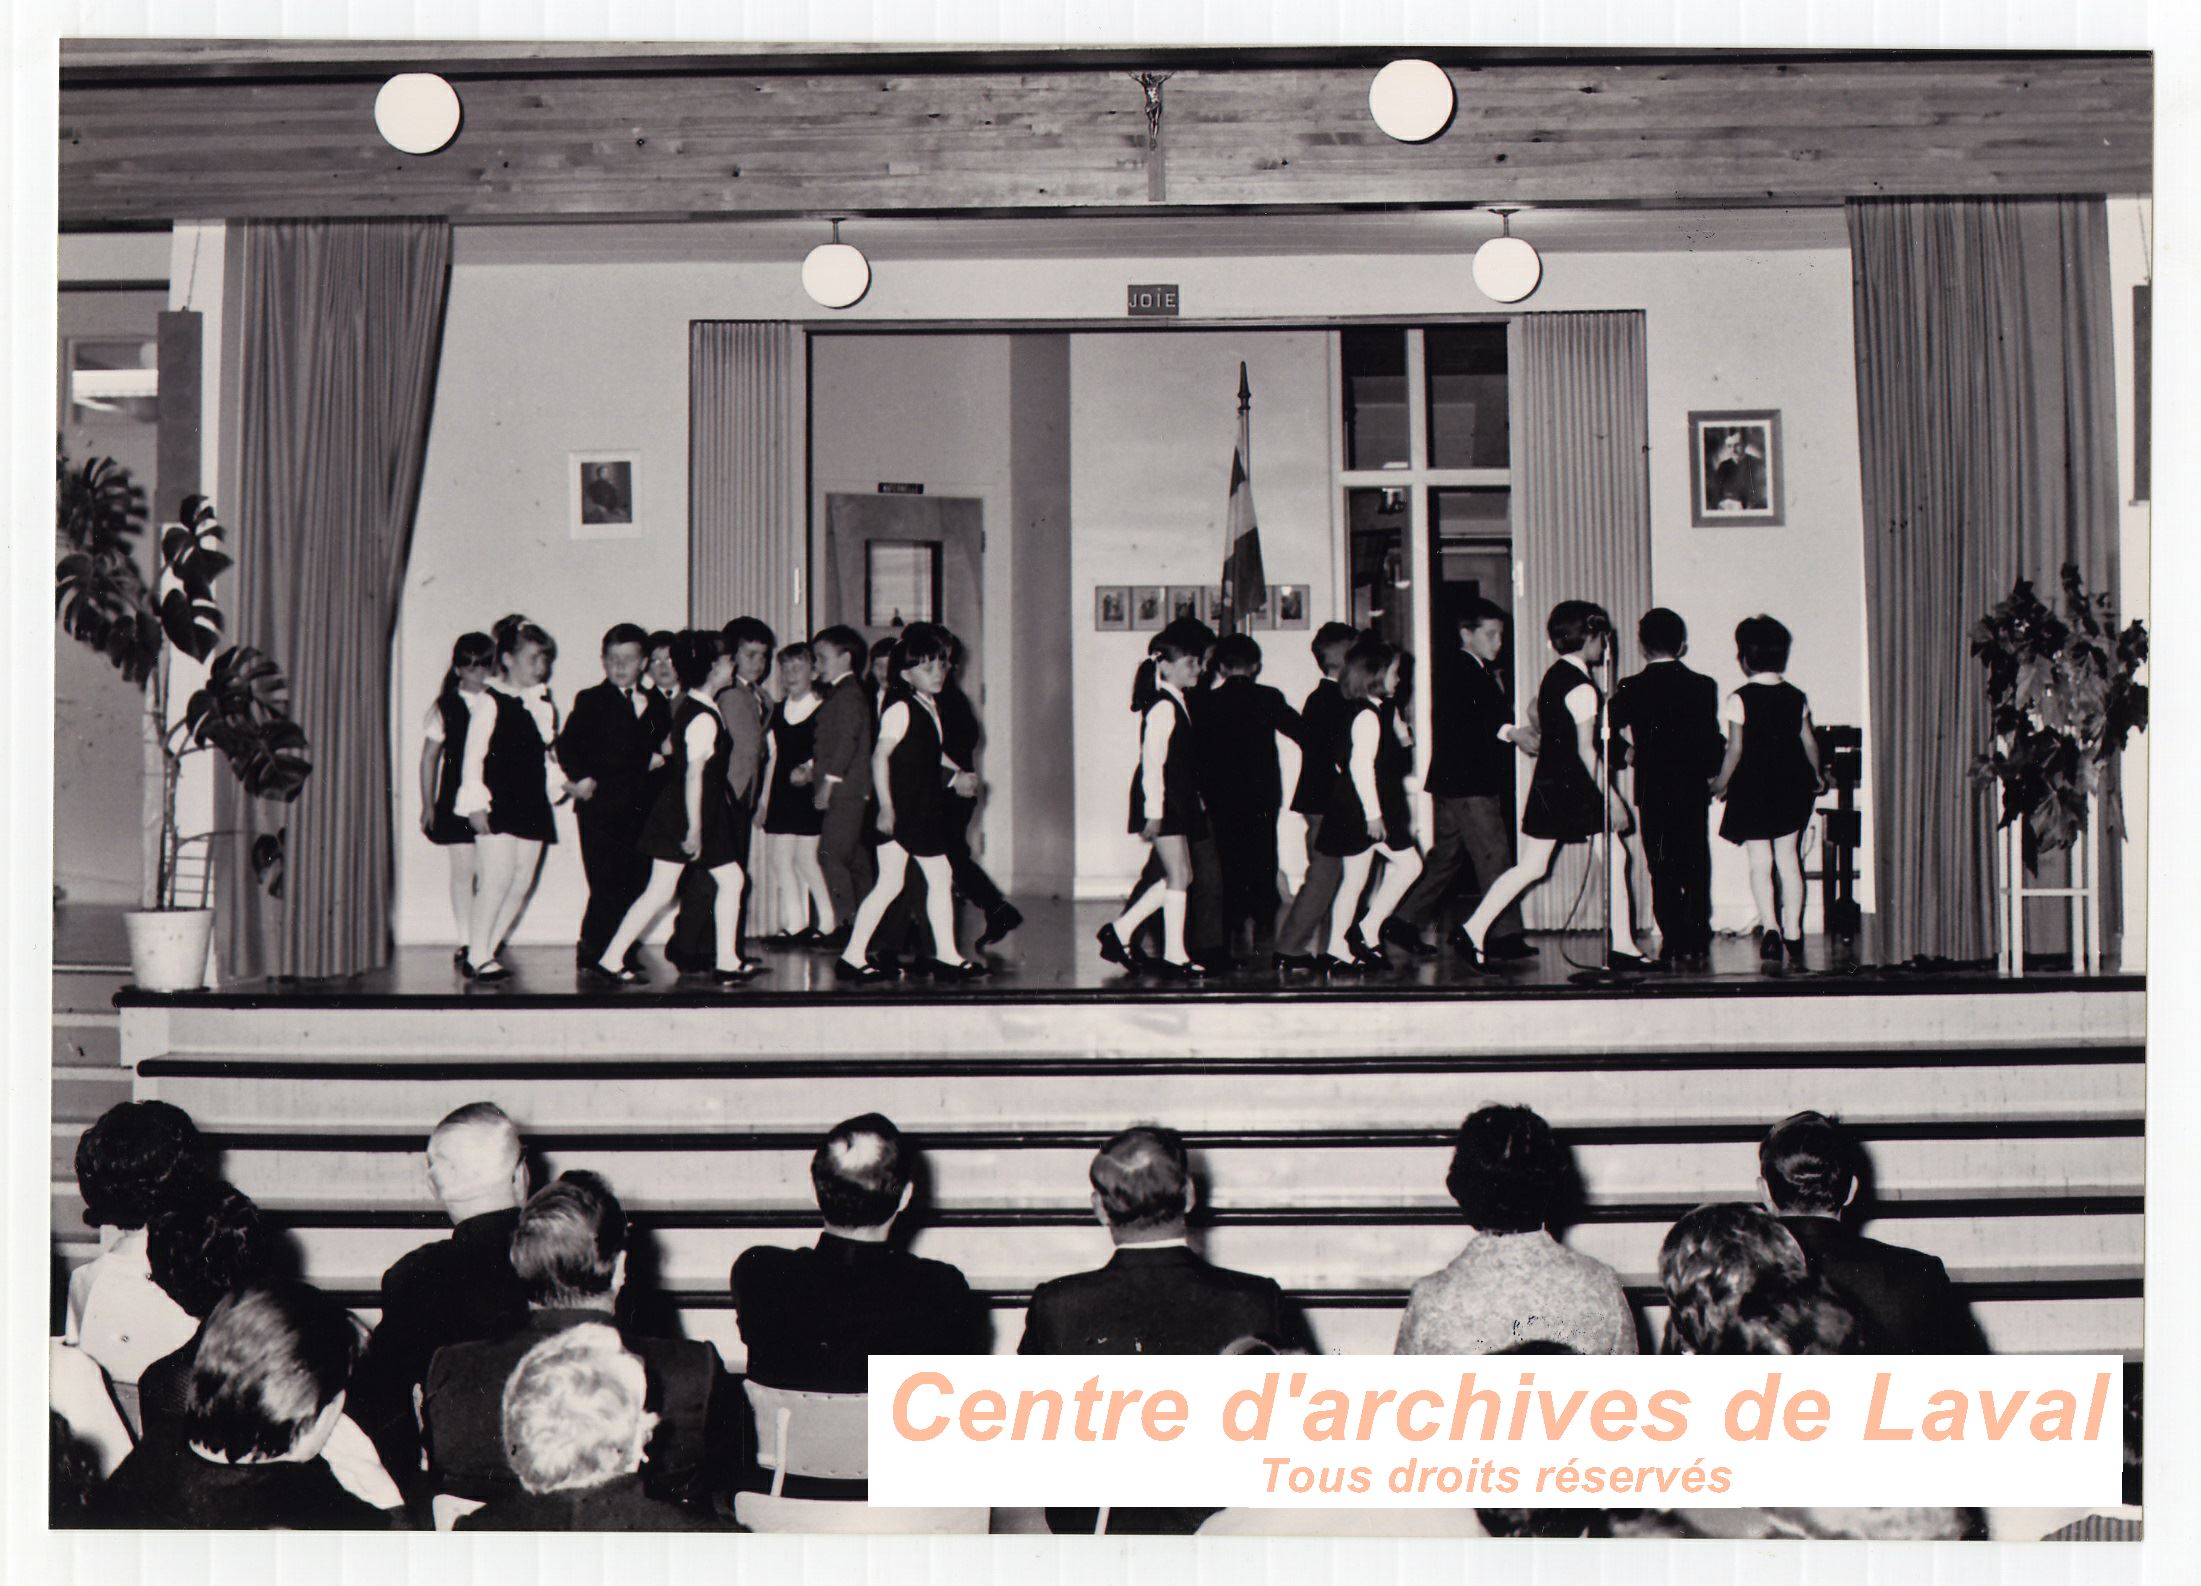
[(417, 112), (836, 274), (1507, 268), (1411, 100)]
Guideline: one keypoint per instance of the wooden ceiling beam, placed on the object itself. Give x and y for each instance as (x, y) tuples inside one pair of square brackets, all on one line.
[(541, 145)]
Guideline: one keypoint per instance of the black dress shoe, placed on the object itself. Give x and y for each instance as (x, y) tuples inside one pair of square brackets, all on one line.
[(747, 970), (1294, 963), (490, 973), (1513, 948), (1340, 968), (1794, 947), (1630, 963), (1397, 933), (1000, 922), (864, 974), (831, 941), (595, 974), (1364, 955), (463, 964), (1769, 949), (941, 970), (1112, 948)]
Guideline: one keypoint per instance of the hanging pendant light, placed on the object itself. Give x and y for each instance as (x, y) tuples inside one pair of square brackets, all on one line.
[(417, 112), (1507, 268), (1411, 100), (836, 274)]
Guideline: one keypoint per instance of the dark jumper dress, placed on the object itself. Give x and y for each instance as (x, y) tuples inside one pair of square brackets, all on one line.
[(1182, 813), (917, 780), (512, 769), (446, 826), (725, 839), (793, 811), (1564, 803), (1773, 789), (1346, 829)]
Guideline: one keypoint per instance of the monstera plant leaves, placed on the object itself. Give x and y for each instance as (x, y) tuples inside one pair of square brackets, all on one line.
[(192, 553), (100, 595), (244, 712)]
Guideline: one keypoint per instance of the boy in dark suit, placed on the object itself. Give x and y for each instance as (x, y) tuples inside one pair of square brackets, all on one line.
[(1321, 719), (605, 749), (1671, 718), (841, 752), (1243, 787)]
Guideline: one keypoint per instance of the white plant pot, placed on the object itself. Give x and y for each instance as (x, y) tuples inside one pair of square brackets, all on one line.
[(168, 948)]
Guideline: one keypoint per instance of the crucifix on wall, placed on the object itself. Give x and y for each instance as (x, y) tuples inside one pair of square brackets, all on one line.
[(1157, 180)]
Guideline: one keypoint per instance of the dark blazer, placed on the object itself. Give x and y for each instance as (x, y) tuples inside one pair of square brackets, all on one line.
[(698, 1430), (605, 739), (456, 1291), (1904, 1297), (163, 1485), (813, 1318), (746, 713), (1467, 758), (1239, 721), (959, 730), (1321, 719), (842, 747), (1672, 718), (1156, 1300), (620, 1504)]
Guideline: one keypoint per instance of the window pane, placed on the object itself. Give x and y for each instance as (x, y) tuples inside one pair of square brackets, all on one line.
[(114, 378), (1373, 373), (1466, 369), (1379, 587), (1470, 540), (901, 581)]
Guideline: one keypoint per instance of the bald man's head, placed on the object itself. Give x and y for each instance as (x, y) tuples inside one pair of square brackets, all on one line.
[(475, 1162)]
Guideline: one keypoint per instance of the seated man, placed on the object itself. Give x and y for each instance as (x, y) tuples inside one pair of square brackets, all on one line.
[(812, 1318), (1154, 1297), (574, 1429), (1808, 1170), (570, 1253), (267, 1390)]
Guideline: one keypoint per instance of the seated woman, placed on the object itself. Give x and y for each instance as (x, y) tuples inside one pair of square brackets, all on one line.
[(1710, 1263), (1514, 1283)]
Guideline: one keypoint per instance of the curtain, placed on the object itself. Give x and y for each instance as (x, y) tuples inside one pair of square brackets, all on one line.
[(1986, 430), (341, 328), (1582, 521), (747, 513)]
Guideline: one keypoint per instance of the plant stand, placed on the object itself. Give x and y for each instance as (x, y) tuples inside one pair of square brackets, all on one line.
[(2084, 893)]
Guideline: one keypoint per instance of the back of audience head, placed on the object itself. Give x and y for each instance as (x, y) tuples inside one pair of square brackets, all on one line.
[(570, 1248), (209, 1243), (573, 1411), (135, 1156), (269, 1374), (1711, 1260), (1509, 1173), (1542, 1522), (861, 1175), (1662, 632), (1142, 1184), (1808, 1165), (476, 1161), (1784, 1315)]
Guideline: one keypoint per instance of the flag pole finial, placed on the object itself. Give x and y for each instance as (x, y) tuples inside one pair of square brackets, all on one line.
[(1245, 388)]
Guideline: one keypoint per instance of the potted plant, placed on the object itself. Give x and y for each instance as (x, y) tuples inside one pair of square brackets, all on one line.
[(241, 710), (2063, 694)]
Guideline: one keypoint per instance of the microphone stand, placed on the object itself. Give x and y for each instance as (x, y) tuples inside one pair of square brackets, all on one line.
[(1605, 974)]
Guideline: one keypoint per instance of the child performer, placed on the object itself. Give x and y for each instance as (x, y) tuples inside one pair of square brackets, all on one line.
[(510, 782), (1568, 795), (1770, 780), (1322, 718), (791, 817), (910, 774), (1368, 804), (693, 821), (610, 736), (463, 698), (840, 783), (1165, 805), (1671, 717), (1239, 720)]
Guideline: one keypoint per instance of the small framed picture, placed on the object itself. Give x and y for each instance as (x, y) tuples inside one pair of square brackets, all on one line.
[(1288, 605), (1112, 608), (1186, 600), (1147, 601), (1264, 619), (602, 492), (1735, 469)]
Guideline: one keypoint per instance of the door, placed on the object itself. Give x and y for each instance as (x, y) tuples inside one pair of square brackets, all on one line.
[(892, 560)]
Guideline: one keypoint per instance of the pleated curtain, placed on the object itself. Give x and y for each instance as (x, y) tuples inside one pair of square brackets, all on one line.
[(1986, 429), (1582, 522), (747, 516), (341, 329)]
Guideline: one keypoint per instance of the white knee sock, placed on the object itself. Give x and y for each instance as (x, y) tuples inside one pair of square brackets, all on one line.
[(1173, 924), (1141, 908)]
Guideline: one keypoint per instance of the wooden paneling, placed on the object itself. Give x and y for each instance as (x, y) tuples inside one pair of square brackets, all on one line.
[(756, 142)]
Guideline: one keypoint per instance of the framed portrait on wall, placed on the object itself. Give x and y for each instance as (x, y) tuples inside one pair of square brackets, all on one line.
[(1111, 608), (601, 487), (1288, 605), (1147, 608), (1735, 469), (1186, 600)]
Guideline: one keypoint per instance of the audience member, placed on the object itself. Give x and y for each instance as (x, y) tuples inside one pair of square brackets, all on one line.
[(1808, 1169), (574, 1430), (1711, 1259), (267, 1391), (201, 1249), (812, 1318), (455, 1291), (72, 1473), (1781, 1315), (1515, 1283), (135, 1159), (569, 1251)]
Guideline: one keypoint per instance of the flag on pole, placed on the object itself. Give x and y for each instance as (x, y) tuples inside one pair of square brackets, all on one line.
[(1245, 580)]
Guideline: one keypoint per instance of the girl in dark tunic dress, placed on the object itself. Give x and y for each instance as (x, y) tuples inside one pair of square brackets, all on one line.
[(910, 774), (1770, 781), (510, 782), (1165, 805), (791, 818), (694, 821), (443, 763), (1569, 793), (1368, 807)]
